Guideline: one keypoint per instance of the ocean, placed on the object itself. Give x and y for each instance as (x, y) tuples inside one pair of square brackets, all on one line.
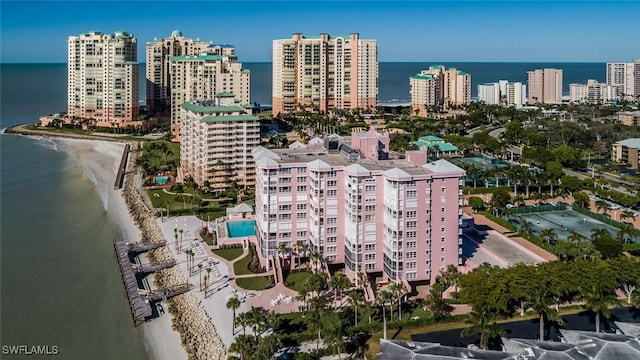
[(60, 280)]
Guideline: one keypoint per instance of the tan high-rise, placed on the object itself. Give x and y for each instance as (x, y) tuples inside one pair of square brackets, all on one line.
[(159, 67), (205, 76), (102, 82), (439, 86), (545, 86), (322, 73)]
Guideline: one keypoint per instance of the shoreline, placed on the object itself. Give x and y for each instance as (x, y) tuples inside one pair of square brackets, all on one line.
[(99, 161)]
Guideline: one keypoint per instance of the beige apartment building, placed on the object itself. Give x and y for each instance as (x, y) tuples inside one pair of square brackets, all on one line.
[(627, 151), (625, 76), (592, 92), (217, 137), (102, 79), (439, 86), (205, 75), (159, 51), (545, 86), (629, 118), (322, 73)]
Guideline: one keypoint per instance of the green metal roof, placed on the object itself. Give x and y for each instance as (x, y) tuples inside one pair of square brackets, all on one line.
[(195, 57), (431, 138), (245, 117), (423, 76), (210, 109), (433, 141), (224, 94)]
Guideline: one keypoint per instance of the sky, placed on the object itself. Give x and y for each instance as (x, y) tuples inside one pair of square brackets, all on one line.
[(411, 31)]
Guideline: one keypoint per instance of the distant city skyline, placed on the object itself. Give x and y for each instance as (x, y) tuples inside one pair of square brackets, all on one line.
[(406, 31)]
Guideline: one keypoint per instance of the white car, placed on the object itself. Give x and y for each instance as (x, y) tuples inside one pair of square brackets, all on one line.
[(614, 206), (510, 206)]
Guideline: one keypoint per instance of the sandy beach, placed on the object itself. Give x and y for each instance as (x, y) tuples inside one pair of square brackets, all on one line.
[(99, 161)]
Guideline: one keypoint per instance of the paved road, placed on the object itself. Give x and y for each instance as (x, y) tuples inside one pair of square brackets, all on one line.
[(495, 133), (610, 178)]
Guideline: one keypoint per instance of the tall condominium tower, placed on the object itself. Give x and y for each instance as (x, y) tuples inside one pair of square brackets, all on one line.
[(217, 138), (503, 93), (626, 76), (322, 73), (439, 86), (592, 92), (204, 76), (545, 86), (102, 83), (159, 51), (355, 206)]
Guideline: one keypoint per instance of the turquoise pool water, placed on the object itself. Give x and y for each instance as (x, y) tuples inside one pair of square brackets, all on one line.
[(241, 228), (161, 179)]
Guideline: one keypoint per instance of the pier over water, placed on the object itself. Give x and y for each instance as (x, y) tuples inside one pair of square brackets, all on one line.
[(140, 299)]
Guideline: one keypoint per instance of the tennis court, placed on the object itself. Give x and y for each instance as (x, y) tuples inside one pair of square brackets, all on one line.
[(563, 222)]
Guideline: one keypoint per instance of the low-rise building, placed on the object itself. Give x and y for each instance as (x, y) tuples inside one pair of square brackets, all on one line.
[(629, 118), (216, 142), (393, 218), (503, 93), (592, 92), (627, 151), (436, 146)]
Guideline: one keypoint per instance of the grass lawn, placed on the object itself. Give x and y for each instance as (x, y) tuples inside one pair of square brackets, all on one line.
[(296, 280), (229, 253), (241, 267), (254, 283), (183, 204), (294, 323)]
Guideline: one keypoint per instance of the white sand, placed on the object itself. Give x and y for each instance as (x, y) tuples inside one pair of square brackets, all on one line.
[(99, 161)]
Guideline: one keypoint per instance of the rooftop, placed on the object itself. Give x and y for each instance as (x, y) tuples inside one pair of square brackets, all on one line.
[(207, 108), (201, 57), (631, 143)]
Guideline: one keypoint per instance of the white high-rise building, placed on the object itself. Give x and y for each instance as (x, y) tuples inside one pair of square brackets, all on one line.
[(503, 93), (592, 92), (545, 86), (217, 137), (159, 51), (626, 76), (205, 76), (102, 83), (324, 72)]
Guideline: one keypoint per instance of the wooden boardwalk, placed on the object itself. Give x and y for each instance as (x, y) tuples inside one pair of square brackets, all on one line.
[(123, 166), (139, 299)]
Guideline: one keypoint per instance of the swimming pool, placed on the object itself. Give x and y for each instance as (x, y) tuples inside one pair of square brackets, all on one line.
[(242, 228), (161, 179)]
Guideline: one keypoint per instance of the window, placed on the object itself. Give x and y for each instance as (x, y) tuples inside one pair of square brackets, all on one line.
[(442, 259), (331, 249), (442, 229), (412, 234), (370, 188), (301, 234), (301, 206), (442, 249), (370, 266), (412, 224), (411, 254), (301, 188), (332, 239), (331, 258), (284, 189), (369, 256), (332, 192), (284, 235), (284, 216), (284, 207), (411, 265), (332, 183), (412, 214), (302, 179), (369, 218), (442, 209), (332, 173), (442, 239), (412, 275), (285, 170), (301, 215), (443, 189), (284, 180), (332, 230), (369, 208), (332, 220), (301, 170), (442, 219), (412, 193), (411, 244), (370, 247)]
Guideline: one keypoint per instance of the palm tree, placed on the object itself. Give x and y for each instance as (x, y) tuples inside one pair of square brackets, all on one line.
[(550, 235), (175, 233), (243, 345), (317, 258), (180, 243), (626, 214), (626, 234), (319, 306), (336, 336), (600, 205), (542, 305), (243, 321), (397, 291), (599, 234), (383, 298), (483, 323), (355, 299), (339, 283), (200, 274), (598, 299), (233, 304)]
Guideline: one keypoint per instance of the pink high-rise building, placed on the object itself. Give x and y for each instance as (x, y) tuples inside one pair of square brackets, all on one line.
[(392, 218)]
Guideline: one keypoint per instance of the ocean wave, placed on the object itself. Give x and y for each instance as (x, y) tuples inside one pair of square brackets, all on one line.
[(44, 141), (3, 130)]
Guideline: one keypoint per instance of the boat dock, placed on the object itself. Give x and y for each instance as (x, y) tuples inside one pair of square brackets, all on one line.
[(122, 168), (140, 299)]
